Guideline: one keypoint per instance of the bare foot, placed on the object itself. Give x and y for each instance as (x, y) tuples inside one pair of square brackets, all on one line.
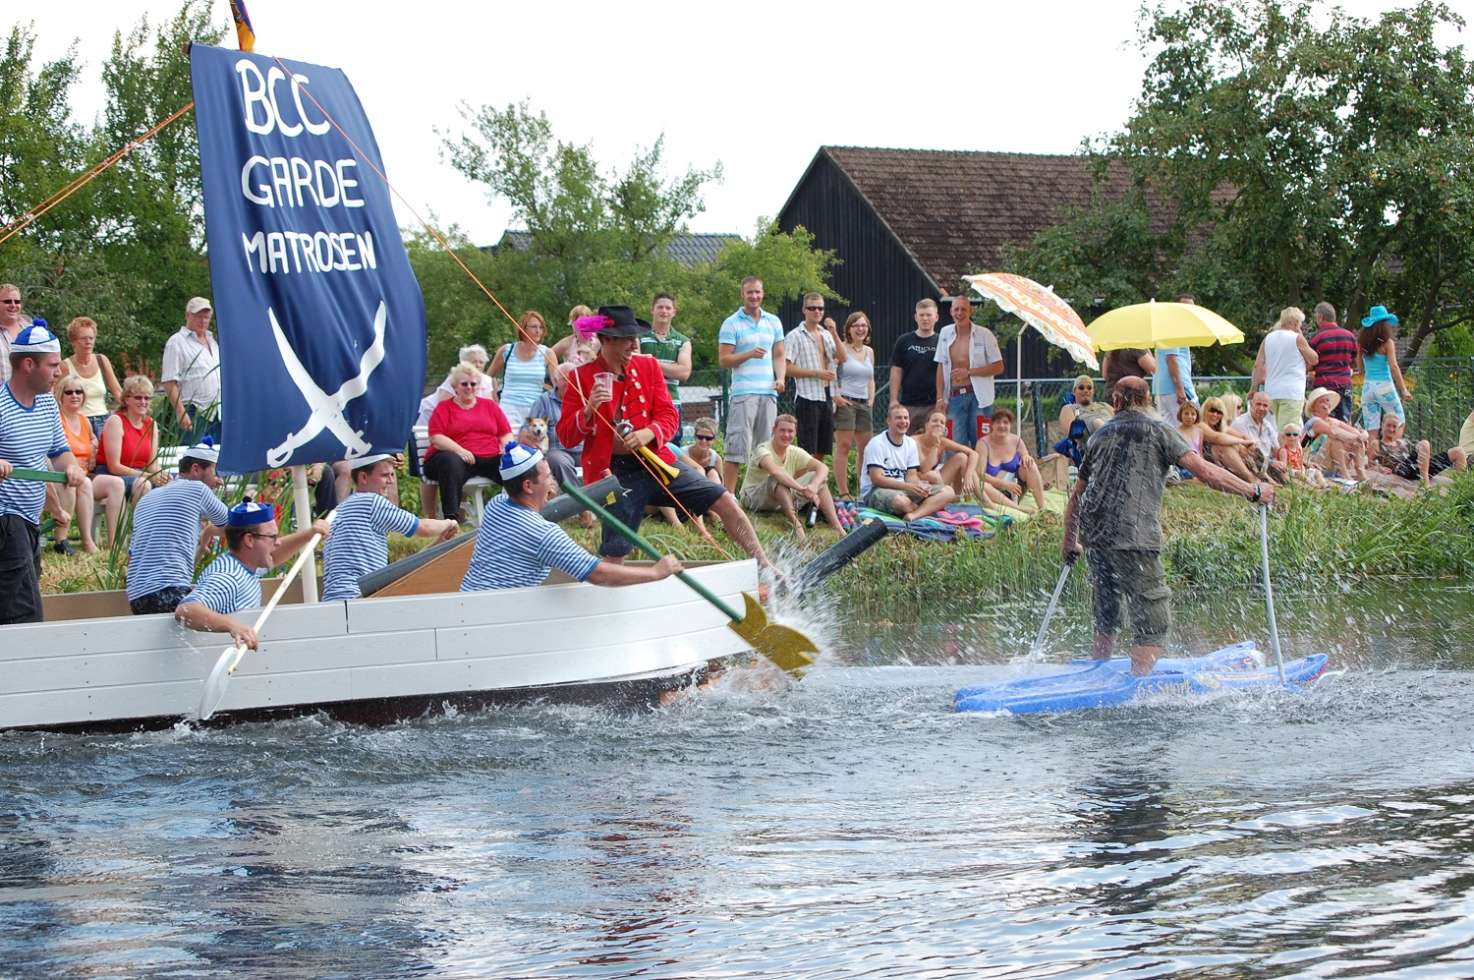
[(89, 547)]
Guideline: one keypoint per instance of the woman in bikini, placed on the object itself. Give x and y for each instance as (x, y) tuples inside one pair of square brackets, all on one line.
[(959, 471), (1007, 466)]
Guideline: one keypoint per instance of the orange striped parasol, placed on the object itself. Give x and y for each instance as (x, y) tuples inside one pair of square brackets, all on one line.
[(1041, 309)]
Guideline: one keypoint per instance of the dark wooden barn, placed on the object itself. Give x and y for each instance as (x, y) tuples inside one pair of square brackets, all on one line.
[(908, 224)]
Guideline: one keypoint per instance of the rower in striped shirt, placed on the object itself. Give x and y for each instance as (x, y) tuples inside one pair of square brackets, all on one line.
[(231, 582), (30, 437), (516, 547), (166, 532), (358, 546)]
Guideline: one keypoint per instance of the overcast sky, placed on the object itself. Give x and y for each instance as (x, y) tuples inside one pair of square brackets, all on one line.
[(758, 86)]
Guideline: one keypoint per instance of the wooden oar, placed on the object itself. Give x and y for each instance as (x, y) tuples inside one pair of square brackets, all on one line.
[(785, 646), (40, 476), (230, 657)]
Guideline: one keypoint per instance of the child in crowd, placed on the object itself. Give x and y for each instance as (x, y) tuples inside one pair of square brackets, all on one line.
[(1291, 456), (1189, 426)]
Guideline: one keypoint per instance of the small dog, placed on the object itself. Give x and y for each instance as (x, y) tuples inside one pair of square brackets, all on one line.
[(534, 434)]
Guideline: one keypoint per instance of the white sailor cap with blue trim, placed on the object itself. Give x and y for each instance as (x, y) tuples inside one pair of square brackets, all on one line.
[(518, 459), (35, 339)]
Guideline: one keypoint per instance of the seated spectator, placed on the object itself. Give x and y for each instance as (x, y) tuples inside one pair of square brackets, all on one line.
[(63, 501), (129, 458), (1007, 465), (1462, 453), (960, 468), (564, 462), (467, 436), (94, 371), (779, 471), (1291, 456), (700, 453), (230, 583), (890, 475), (1392, 453), (523, 367), (1085, 409), (476, 356), (1338, 448), (1242, 444)]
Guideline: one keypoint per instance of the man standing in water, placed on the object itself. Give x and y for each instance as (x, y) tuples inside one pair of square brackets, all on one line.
[(1116, 507)]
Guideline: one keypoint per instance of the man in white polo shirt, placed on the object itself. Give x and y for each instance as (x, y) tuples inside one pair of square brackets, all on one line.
[(166, 532), (30, 437), (358, 545), (191, 369)]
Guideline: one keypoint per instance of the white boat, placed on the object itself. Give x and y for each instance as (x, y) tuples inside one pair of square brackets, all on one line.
[(387, 657)]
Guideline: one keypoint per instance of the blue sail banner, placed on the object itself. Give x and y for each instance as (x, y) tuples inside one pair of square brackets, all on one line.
[(322, 325)]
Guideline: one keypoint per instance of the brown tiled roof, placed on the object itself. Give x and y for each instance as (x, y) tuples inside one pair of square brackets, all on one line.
[(956, 210)]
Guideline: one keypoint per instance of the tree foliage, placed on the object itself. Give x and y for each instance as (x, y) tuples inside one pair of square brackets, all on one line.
[(598, 236), (1301, 154)]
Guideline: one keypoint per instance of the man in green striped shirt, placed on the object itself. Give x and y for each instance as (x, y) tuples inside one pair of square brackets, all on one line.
[(668, 346)]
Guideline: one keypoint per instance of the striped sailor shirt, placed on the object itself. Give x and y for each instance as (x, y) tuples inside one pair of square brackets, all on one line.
[(357, 545), (31, 438), (226, 586), (516, 547), (166, 534)]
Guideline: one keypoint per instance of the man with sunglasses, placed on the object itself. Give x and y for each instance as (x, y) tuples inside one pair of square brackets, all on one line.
[(11, 322), (811, 352), (231, 583)]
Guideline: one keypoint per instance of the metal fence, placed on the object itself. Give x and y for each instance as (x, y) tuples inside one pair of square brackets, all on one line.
[(1442, 397)]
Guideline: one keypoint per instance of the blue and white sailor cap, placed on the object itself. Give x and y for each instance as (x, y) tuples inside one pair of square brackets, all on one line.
[(248, 513), (205, 451), (35, 339), (364, 462), (518, 459)]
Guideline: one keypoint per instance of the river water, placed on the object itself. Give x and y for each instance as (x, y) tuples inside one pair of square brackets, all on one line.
[(849, 825)]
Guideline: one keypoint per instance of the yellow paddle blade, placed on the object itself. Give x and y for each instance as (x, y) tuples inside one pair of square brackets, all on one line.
[(785, 646)]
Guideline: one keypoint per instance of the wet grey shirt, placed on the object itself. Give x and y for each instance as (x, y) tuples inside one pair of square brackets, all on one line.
[(1125, 468)]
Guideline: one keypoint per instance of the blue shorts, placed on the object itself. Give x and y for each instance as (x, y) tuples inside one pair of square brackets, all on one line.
[(1379, 398), (967, 421)]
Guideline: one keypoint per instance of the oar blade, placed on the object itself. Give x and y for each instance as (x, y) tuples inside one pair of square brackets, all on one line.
[(215, 684), (787, 648)]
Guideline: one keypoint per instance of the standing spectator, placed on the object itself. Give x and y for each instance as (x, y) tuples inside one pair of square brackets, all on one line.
[(813, 364), (93, 371), (1282, 362), (573, 347), (1116, 509), (750, 344), (913, 374), (476, 356), (967, 358), (191, 370), (890, 477), (524, 366), (780, 471), (30, 436), (74, 501), (166, 532), (1335, 349), (1128, 362), (11, 322), (1173, 380), (668, 346), (854, 397), (467, 436), (1376, 359)]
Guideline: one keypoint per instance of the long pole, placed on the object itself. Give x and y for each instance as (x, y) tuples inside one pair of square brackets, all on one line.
[(302, 504), (1274, 630)]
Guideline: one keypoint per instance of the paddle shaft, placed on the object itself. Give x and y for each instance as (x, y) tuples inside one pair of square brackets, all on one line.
[(1274, 630), (648, 549), (39, 476), (1059, 588)]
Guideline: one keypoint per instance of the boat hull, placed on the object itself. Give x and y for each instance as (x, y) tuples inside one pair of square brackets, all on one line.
[(377, 658)]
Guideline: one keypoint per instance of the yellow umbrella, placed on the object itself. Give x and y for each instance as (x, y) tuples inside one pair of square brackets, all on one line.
[(1162, 325)]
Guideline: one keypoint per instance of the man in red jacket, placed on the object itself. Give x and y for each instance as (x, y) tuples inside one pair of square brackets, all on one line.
[(631, 411)]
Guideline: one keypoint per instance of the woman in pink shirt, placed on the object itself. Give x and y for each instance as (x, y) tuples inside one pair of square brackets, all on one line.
[(467, 435)]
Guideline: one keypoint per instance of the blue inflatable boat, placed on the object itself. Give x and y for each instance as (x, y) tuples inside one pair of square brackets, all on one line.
[(1089, 684)]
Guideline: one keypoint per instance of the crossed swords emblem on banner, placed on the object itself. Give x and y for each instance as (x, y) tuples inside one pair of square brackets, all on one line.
[(327, 410)]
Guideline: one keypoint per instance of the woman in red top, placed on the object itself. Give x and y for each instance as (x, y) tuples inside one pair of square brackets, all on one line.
[(129, 460), (467, 434)]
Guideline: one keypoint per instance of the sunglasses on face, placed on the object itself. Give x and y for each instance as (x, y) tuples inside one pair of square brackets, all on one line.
[(74, 391), (13, 302), (701, 438), (814, 309), (139, 398), (465, 384)]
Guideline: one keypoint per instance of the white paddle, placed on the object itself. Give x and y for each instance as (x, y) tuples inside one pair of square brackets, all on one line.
[(1274, 630), (1037, 650), (230, 658)]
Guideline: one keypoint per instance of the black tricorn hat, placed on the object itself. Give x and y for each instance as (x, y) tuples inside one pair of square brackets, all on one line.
[(620, 321)]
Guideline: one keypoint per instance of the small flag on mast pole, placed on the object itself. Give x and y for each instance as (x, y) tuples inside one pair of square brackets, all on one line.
[(245, 34)]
